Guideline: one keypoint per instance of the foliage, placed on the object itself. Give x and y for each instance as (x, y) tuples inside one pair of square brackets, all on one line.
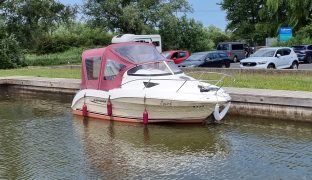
[(183, 33), (11, 55), (243, 18), (259, 19), (77, 35), (28, 20), (216, 35), (71, 56), (295, 13), (132, 16)]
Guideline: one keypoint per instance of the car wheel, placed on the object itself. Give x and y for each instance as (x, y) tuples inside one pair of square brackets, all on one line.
[(271, 66), (223, 66), (294, 65), (235, 59), (309, 59)]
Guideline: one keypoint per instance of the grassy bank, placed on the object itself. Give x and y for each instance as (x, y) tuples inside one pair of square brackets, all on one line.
[(42, 72), (295, 82), (71, 56)]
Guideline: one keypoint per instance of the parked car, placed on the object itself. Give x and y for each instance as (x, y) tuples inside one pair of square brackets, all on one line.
[(234, 50), (177, 56), (304, 53), (272, 58), (207, 59)]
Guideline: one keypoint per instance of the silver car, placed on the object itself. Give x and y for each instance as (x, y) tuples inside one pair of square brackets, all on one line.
[(272, 58)]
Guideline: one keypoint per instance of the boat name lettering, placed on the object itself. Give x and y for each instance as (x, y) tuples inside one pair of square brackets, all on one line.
[(98, 101)]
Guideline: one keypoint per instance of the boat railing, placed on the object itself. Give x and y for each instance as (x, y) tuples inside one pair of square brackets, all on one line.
[(219, 82)]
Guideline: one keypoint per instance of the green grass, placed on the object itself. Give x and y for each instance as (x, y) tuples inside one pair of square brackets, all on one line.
[(294, 82), (71, 56), (43, 72), (298, 82)]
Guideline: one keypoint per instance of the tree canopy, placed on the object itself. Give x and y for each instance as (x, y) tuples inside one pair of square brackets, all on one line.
[(256, 20), (28, 19), (132, 16)]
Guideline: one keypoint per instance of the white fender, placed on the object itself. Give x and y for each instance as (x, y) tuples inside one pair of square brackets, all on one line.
[(220, 115)]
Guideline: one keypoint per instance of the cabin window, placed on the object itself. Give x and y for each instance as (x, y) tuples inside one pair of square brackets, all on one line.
[(112, 69), (93, 65), (156, 43)]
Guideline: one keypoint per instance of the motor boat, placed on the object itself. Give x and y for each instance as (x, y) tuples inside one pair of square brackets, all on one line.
[(133, 82)]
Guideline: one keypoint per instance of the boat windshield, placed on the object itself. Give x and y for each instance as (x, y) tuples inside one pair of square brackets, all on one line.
[(161, 68), (166, 54), (139, 53)]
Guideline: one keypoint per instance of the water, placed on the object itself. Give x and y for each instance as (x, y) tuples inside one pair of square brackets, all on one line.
[(41, 139)]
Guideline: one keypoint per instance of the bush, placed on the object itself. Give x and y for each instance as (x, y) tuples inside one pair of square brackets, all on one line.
[(71, 56), (11, 55), (64, 40)]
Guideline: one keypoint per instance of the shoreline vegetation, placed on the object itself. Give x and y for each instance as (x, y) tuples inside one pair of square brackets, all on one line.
[(292, 82)]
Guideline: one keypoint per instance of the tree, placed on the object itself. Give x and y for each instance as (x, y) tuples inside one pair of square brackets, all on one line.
[(216, 35), (132, 16), (29, 19), (243, 18), (295, 13), (183, 33), (11, 55)]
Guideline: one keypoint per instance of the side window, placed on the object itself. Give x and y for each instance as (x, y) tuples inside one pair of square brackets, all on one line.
[(112, 69), (215, 56), (175, 55), (286, 52), (93, 65), (181, 54), (310, 47), (237, 47), (279, 52), (223, 47)]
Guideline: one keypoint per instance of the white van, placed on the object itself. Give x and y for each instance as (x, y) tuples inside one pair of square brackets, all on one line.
[(155, 39)]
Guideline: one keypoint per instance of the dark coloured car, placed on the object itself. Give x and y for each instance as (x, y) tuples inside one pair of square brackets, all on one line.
[(304, 52), (177, 56), (207, 59)]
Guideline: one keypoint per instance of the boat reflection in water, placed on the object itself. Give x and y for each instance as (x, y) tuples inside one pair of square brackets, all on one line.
[(120, 150)]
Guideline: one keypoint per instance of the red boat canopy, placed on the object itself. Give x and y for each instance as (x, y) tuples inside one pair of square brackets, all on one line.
[(103, 68)]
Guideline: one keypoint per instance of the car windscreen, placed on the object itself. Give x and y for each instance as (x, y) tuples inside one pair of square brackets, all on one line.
[(264, 53), (196, 57), (298, 48), (139, 53), (223, 47)]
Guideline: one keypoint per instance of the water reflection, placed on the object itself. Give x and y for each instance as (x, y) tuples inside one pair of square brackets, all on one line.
[(41, 139), (121, 150)]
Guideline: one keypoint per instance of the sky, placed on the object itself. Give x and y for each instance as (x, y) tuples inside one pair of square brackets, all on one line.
[(205, 11)]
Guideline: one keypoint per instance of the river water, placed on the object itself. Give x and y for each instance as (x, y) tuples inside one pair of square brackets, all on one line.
[(41, 139)]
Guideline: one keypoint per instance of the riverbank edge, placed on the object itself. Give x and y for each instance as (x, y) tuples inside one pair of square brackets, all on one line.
[(265, 103)]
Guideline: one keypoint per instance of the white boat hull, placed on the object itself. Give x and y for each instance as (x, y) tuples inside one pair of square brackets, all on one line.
[(131, 109)]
